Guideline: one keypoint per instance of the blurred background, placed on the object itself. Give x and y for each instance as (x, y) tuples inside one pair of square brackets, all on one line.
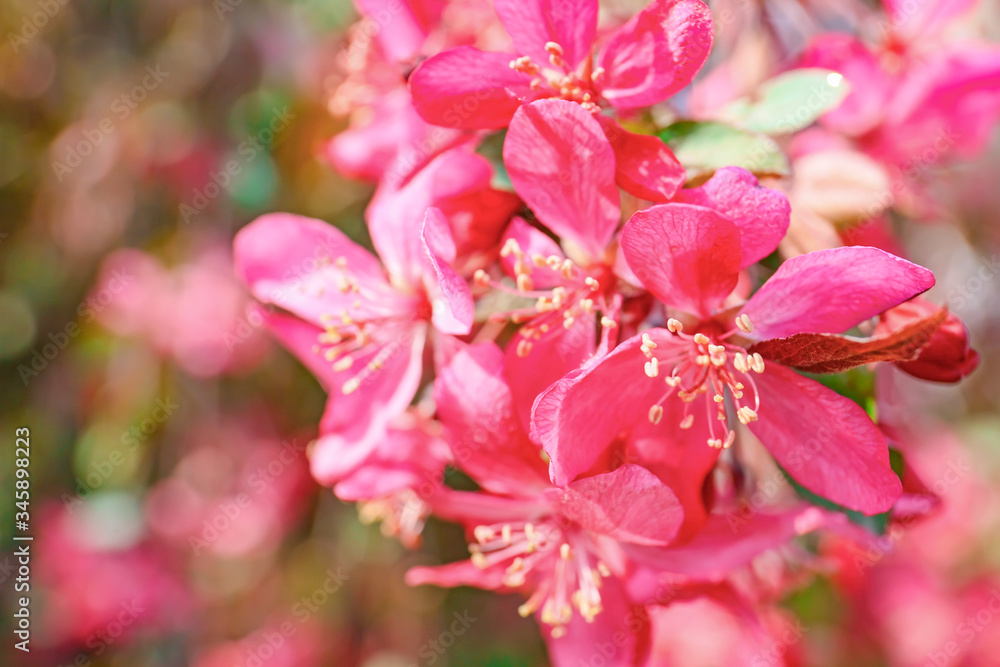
[(175, 521)]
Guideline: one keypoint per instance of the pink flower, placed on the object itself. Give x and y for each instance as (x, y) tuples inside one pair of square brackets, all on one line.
[(690, 257), (651, 57), (643, 62), (914, 98), (563, 545), (360, 327)]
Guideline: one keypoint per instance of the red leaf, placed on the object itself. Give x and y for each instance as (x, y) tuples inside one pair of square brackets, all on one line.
[(828, 353)]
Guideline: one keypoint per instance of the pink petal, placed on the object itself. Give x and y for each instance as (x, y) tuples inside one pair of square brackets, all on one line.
[(401, 30), (644, 165), (550, 359), (531, 23), (577, 419), (474, 405), (532, 242), (291, 261), (830, 291), (387, 371), (300, 338), (761, 214), (687, 256), (826, 442), (629, 504), (564, 168), (458, 182), (681, 458), (657, 53), (451, 298), (467, 88), (948, 105), (728, 542)]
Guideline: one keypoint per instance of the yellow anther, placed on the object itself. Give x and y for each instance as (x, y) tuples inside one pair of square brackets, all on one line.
[(652, 367), (655, 414), (757, 362), (746, 415), (592, 283), (687, 422), (718, 398), (564, 551), (648, 342), (481, 278), (343, 363), (524, 283), (341, 262), (511, 247), (350, 386), (608, 323), (505, 533), (740, 362), (553, 49), (701, 339), (744, 324), (483, 534), (672, 380)]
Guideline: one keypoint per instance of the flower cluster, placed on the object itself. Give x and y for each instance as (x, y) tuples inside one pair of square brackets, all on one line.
[(590, 307)]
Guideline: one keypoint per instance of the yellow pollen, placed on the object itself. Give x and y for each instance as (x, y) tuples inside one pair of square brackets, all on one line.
[(718, 398), (675, 326), (757, 362), (701, 339), (672, 380), (652, 367), (592, 283), (648, 342), (607, 322), (538, 260), (524, 283)]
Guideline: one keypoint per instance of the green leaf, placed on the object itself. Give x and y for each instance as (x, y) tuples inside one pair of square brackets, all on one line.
[(703, 147), (491, 148), (876, 524), (789, 102)]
